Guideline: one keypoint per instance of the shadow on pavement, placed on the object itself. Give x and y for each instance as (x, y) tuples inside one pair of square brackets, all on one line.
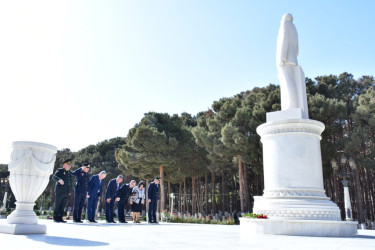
[(365, 237), (63, 241)]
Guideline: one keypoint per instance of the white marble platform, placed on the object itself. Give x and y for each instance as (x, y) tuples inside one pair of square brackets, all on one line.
[(172, 236), (321, 228)]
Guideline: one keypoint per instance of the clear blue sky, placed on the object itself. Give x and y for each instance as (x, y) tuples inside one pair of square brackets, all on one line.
[(73, 73)]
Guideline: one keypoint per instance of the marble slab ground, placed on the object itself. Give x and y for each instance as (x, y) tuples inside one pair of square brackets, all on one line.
[(171, 236)]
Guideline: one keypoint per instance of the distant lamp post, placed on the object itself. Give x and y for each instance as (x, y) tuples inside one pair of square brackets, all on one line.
[(334, 165), (4, 183), (172, 198), (352, 164), (345, 173)]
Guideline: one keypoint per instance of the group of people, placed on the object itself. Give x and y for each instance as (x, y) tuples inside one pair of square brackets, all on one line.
[(91, 188)]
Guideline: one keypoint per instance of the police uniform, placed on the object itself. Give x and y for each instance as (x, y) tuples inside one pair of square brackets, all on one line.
[(80, 192), (153, 195), (62, 191)]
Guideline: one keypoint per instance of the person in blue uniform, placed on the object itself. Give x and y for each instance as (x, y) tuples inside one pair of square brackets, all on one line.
[(153, 197), (93, 194), (123, 193), (63, 189), (80, 191), (111, 196)]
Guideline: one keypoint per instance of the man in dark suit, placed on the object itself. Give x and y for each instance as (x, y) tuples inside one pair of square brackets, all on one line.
[(93, 194), (111, 196), (63, 190), (80, 190), (153, 197), (123, 193)]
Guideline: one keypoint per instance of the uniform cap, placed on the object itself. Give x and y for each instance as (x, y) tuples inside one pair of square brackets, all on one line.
[(157, 178), (68, 161), (86, 165)]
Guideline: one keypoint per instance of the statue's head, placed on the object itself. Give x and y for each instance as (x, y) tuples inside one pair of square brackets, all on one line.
[(287, 17)]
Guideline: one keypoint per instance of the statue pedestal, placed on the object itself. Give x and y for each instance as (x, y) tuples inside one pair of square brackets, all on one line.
[(30, 168), (294, 199), (316, 228)]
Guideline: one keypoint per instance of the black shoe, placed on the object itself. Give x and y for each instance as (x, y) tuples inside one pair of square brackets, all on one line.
[(78, 221), (56, 220), (155, 222), (108, 221), (122, 221), (63, 221), (113, 221)]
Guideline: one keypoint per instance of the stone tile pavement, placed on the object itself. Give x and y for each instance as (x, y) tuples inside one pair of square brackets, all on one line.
[(171, 236)]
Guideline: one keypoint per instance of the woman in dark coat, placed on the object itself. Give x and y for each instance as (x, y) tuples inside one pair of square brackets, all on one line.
[(138, 199)]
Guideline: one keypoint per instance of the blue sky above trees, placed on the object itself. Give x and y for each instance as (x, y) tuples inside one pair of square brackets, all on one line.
[(74, 73)]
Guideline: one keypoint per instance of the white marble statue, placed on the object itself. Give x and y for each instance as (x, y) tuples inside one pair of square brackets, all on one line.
[(291, 76), (294, 198)]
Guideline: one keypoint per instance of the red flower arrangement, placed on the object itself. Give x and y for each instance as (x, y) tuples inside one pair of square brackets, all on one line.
[(262, 216)]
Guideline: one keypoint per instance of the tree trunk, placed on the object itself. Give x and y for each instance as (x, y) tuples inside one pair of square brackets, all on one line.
[(194, 200), (240, 180), (372, 176), (146, 194), (185, 197), (246, 189), (169, 197), (213, 192), (358, 197), (235, 194), (371, 191), (179, 205), (223, 199), (162, 194), (199, 195), (206, 193)]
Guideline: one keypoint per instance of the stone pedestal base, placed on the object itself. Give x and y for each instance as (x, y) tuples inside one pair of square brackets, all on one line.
[(22, 217), (293, 176), (22, 228), (291, 204), (319, 228)]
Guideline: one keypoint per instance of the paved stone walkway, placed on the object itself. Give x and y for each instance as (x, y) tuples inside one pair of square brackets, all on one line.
[(171, 236)]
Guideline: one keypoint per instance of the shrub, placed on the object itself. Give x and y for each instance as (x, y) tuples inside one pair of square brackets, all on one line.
[(255, 216), (202, 220)]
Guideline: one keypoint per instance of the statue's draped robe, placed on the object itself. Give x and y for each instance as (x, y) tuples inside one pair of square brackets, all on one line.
[(291, 76)]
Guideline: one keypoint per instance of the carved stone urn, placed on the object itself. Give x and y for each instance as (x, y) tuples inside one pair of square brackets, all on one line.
[(30, 168)]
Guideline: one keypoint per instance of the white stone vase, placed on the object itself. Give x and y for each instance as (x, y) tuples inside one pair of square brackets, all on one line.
[(30, 168)]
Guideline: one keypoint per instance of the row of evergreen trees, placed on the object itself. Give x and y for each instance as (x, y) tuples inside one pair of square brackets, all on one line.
[(213, 161), (222, 142)]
